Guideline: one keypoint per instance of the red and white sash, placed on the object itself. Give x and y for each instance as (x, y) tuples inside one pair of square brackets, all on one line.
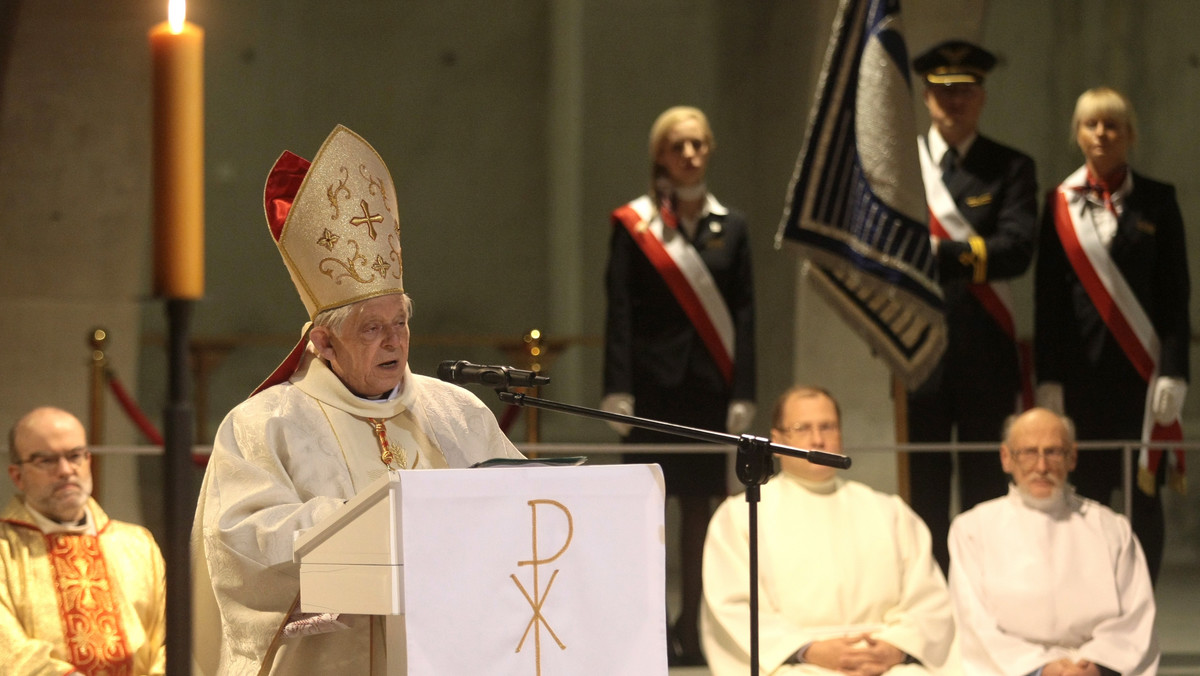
[(946, 222), (1120, 310), (686, 275)]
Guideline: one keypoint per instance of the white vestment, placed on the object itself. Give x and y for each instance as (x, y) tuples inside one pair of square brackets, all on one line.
[(282, 461), (835, 559), (1033, 586)]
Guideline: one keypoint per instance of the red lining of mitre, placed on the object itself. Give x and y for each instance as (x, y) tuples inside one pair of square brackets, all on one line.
[(282, 185), (284, 371)]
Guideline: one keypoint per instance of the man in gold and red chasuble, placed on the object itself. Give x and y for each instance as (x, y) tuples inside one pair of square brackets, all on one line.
[(79, 593), (340, 412)]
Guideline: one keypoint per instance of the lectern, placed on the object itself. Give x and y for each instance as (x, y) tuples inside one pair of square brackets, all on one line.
[(501, 570)]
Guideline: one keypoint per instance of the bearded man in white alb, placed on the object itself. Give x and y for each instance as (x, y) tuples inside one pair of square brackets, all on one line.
[(1044, 581), (847, 581), (343, 410)]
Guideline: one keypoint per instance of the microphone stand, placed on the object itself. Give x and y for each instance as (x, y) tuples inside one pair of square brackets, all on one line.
[(753, 467)]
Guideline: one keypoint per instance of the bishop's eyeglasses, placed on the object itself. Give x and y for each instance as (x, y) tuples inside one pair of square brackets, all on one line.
[(47, 462), (1028, 457)]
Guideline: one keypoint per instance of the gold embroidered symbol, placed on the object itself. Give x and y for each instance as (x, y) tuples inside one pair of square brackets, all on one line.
[(367, 219), (395, 254), (349, 266), (380, 265), (538, 599), (1146, 227), (332, 192), (375, 187), (328, 239), (979, 200)]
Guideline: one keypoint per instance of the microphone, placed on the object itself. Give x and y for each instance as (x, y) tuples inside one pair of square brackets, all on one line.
[(463, 372)]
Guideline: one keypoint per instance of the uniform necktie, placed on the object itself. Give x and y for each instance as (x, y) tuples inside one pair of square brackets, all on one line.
[(949, 164)]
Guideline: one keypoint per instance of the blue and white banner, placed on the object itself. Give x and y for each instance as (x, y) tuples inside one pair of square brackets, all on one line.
[(856, 204)]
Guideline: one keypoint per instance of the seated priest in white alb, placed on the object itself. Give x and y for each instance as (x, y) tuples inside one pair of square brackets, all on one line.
[(343, 410), (847, 582), (1046, 582)]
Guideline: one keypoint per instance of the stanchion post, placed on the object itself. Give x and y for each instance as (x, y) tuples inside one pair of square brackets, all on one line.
[(533, 353), (900, 408), (98, 338)]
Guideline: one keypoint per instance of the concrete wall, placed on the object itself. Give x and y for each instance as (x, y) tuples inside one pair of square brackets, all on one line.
[(511, 129)]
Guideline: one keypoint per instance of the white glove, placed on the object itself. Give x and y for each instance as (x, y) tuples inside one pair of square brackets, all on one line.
[(741, 414), (618, 402), (1050, 395), (1166, 401)]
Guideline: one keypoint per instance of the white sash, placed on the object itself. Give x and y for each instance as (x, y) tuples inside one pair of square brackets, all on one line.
[(1124, 301), (694, 271), (955, 226)]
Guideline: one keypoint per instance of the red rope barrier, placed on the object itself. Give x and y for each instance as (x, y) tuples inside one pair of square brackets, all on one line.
[(139, 418), (131, 409)]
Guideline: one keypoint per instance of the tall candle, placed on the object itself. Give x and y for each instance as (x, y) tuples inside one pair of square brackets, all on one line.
[(177, 48)]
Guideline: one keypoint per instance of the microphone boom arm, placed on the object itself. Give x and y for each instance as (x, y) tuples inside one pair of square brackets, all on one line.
[(753, 463)]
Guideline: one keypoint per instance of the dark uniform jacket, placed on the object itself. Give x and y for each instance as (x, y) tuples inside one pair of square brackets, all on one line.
[(650, 344), (1073, 345), (995, 189)]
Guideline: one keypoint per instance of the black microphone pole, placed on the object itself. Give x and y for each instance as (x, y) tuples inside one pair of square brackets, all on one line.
[(753, 467)]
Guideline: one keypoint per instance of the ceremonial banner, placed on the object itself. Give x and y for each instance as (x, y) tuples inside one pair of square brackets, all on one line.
[(856, 205)]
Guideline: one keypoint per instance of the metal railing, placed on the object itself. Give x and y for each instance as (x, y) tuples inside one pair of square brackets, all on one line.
[(1129, 450)]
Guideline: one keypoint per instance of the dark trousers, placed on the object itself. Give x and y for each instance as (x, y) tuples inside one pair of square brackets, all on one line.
[(932, 417), (980, 478), (1107, 402)]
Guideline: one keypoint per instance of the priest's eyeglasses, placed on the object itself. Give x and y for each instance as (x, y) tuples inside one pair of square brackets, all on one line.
[(806, 429), (1028, 457), (48, 462)]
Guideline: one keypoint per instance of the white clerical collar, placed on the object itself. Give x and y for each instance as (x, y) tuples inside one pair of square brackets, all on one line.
[(394, 394), (86, 526), (825, 487), (938, 145), (316, 379)]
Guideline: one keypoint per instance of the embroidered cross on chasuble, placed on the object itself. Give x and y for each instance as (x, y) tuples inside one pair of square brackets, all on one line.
[(88, 605)]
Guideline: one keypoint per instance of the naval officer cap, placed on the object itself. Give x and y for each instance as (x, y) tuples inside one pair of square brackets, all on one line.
[(954, 62)]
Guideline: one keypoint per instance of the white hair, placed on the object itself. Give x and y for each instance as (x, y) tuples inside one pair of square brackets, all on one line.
[(333, 318)]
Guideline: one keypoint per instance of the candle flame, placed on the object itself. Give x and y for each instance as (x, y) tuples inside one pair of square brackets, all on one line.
[(176, 12)]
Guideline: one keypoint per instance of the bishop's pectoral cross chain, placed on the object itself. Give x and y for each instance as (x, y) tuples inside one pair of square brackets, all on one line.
[(387, 451)]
